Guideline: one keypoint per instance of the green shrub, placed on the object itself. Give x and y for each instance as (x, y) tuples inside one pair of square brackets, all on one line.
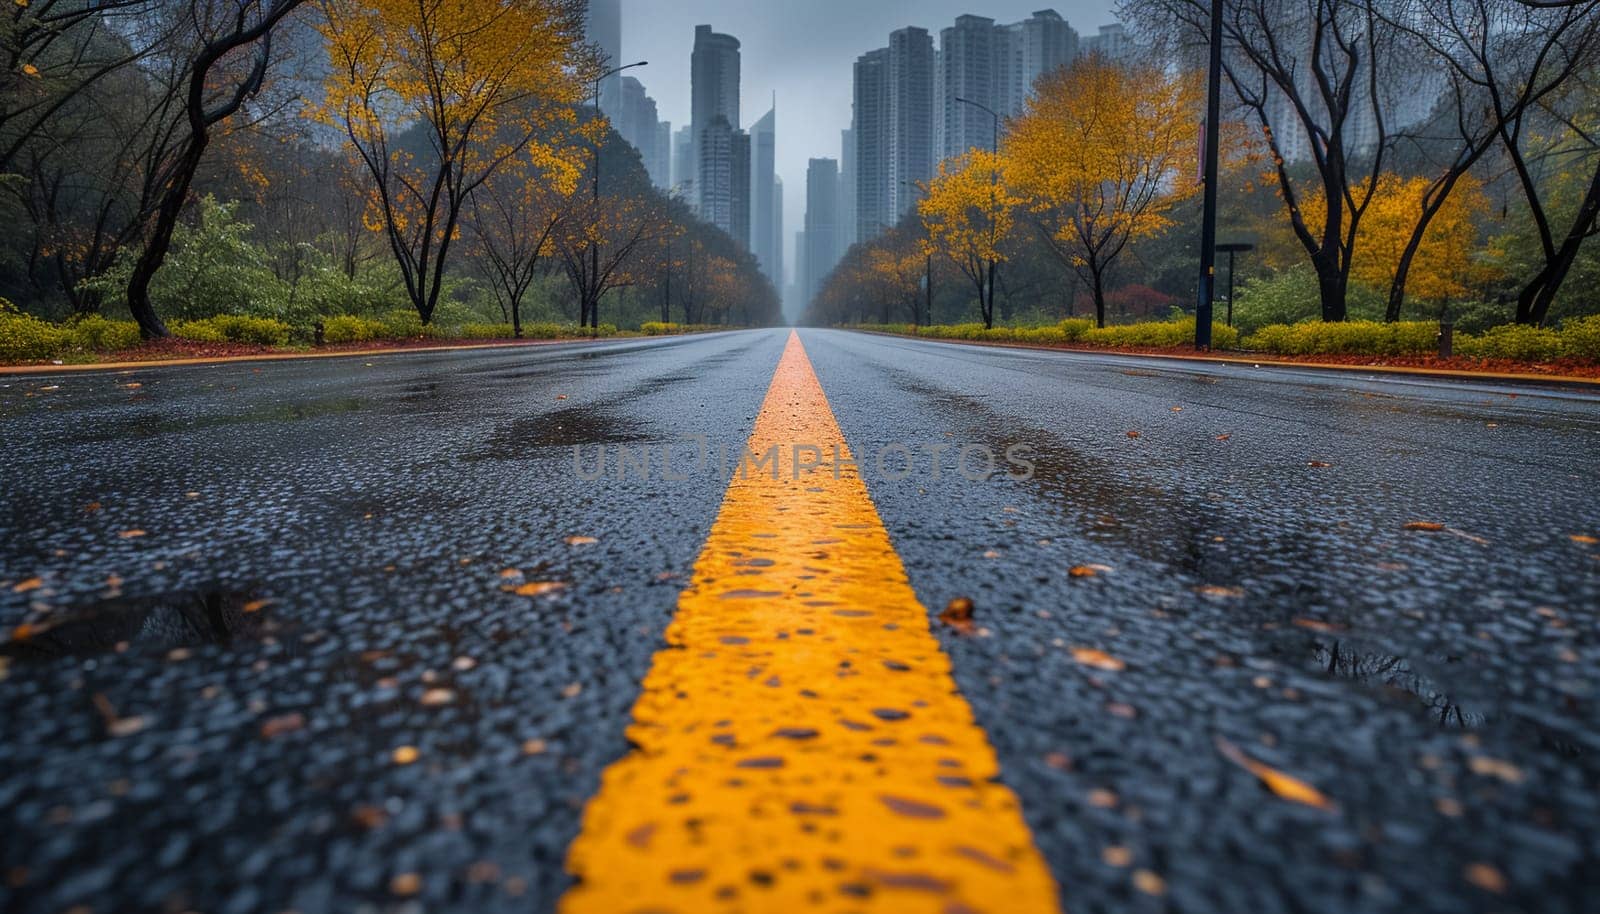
[(97, 334), (234, 328), (1581, 338), (25, 338), (348, 328), (402, 324), (1160, 334), (1519, 342), (1347, 338), (487, 332), (1292, 296), (1074, 328)]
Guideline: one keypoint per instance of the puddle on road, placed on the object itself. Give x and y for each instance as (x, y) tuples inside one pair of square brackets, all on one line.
[(1344, 659), (165, 622), (574, 427)]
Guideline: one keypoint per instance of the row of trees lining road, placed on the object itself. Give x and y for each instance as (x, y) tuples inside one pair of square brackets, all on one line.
[(1483, 204), (303, 160)]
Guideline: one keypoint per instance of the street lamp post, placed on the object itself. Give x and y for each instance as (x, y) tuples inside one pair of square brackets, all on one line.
[(1232, 248), (1205, 308), (594, 241), (994, 181)]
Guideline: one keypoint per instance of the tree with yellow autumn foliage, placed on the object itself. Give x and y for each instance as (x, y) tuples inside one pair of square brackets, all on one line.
[(969, 213), (1100, 157), (481, 83)]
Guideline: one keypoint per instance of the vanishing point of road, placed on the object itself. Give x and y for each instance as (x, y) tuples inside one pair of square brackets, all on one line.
[(994, 630)]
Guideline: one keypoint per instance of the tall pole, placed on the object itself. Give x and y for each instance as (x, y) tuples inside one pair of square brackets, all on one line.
[(1204, 309)]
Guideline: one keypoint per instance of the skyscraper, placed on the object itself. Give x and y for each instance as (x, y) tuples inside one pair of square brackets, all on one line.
[(766, 234), (714, 90), (871, 128), (821, 237), (966, 70), (739, 189), (635, 118), (847, 189), (604, 29), (685, 168), (715, 178), (911, 113), (1025, 51)]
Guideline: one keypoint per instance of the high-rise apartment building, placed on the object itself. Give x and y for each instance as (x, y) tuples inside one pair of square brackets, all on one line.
[(821, 249), (604, 29), (635, 119), (871, 128), (766, 230), (911, 160), (714, 91), (1027, 50), (966, 69)]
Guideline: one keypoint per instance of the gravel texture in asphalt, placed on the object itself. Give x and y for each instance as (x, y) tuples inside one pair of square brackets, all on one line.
[(361, 634)]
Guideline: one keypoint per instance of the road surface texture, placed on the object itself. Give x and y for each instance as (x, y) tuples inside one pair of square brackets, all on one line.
[(379, 635)]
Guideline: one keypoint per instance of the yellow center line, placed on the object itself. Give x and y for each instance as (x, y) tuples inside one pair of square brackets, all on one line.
[(800, 744)]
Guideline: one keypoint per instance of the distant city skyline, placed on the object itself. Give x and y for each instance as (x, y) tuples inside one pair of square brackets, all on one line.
[(805, 53)]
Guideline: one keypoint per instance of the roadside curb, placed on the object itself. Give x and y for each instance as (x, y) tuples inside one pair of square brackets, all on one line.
[(25, 370), (1448, 374)]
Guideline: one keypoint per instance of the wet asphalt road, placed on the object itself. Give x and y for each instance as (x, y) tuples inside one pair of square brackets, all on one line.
[(318, 581)]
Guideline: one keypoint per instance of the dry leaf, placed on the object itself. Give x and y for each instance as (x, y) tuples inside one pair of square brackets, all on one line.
[(1319, 465), (1494, 768), (1099, 660), (255, 606), (278, 726), (28, 586), (1149, 883), (1224, 437), (1317, 625), (1134, 435), (1082, 571), (1486, 877), (92, 507), (1217, 590), (405, 884), (958, 614), (1422, 526), (581, 541), (1585, 540), (405, 755), (1283, 785), (540, 588), (572, 691), (435, 698), (132, 534), (1117, 856), (534, 747), (125, 726)]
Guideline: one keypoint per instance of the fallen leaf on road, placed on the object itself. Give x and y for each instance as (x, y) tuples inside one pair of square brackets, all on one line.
[(1486, 877), (561, 396), (125, 726), (255, 606), (534, 747), (1217, 590), (1082, 571), (436, 698), (510, 573), (132, 534), (1134, 435), (1422, 526), (1585, 540), (132, 386), (405, 884), (958, 614), (28, 586), (1149, 883), (991, 554), (1318, 465), (1494, 768), (1099, 660), (1317, 625), (540, 588), (91, 508), (278, 726), (1117, 856), (572, 691), (1285, 786), (405, 755), (581, 541), (463, 664), (1224, 437), (1177, 409)]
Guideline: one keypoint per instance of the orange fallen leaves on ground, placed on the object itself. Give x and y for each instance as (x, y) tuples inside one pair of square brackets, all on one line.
[(1423, 526), (1317, 625), (958, 614), (1082, 571), (1099, 660), (1486, 877), (405, 755), (1288, 787), (540, 588), (1134, 435), (132, 534), (1318, 465), (1582, 540), (1485, 766), (1224, 437), (581, 541), (278, 726), (255, 606), (28, 586), (1217, 590)]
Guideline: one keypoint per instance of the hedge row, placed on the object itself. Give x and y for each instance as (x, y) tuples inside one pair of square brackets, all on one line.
[(1154, 334), (24, 338)]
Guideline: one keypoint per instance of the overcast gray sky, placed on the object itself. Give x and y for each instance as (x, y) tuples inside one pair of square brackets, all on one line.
[(803, 51)]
